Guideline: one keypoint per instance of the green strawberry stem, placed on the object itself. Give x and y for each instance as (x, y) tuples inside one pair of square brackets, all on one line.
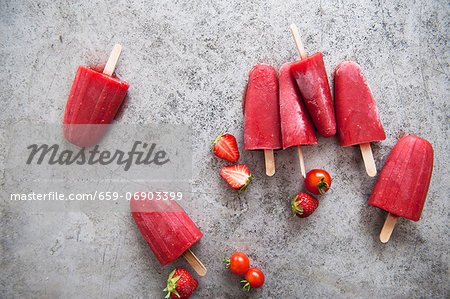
[(246, 286), (296, 206), (217, 139), (322, 186), (242, 189), (171, 285)]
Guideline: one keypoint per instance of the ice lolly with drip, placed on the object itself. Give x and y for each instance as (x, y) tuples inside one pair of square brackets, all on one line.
[(262, 113), (93, 102), (356, 112), (296, 126), (166, 228), (312, 82), (402, 186)]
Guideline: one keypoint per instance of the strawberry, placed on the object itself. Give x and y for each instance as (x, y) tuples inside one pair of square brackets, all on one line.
[(180, 284), (237, 176), (304, 205), (225, 147)]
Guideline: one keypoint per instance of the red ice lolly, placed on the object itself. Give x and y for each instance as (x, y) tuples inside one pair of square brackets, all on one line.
[(262, 113), (296, 126), (402, 186), (356, 112), (312, 81), (166, 228), (93, 102)]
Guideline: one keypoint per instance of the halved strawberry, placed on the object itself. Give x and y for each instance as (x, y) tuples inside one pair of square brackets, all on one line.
[(237, 176), (225, 147)]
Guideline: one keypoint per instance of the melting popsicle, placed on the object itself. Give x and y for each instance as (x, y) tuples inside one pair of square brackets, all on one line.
[(402, 186), (262, 113), (167, 229), (296, 126), (93, 102), (312, 82), (356, 112)]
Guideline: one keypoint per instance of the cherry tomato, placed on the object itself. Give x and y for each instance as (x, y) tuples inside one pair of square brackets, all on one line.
[(238, 263), (254, 278), (317, 181)]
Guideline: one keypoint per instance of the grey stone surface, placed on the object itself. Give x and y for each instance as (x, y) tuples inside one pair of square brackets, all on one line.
[(187, 63)]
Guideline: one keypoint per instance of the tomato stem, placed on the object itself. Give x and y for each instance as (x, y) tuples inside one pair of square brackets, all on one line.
[(227, 262), (246, 286), (322, 185)]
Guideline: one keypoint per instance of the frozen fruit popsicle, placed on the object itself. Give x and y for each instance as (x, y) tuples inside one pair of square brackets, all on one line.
[(356, 112), (167, 229), (296, 126), (402, 186), (312, 82), (262, 113), (93, 102)]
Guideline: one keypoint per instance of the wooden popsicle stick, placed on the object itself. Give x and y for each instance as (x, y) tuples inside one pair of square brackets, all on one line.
[(298, 41), (388, 227), (369, 162), (270, 162), (302, 163), (193, 260), (112, 60), (302, 53)]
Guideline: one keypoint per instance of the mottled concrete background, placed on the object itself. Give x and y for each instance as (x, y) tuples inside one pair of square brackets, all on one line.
[(187, 63)]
